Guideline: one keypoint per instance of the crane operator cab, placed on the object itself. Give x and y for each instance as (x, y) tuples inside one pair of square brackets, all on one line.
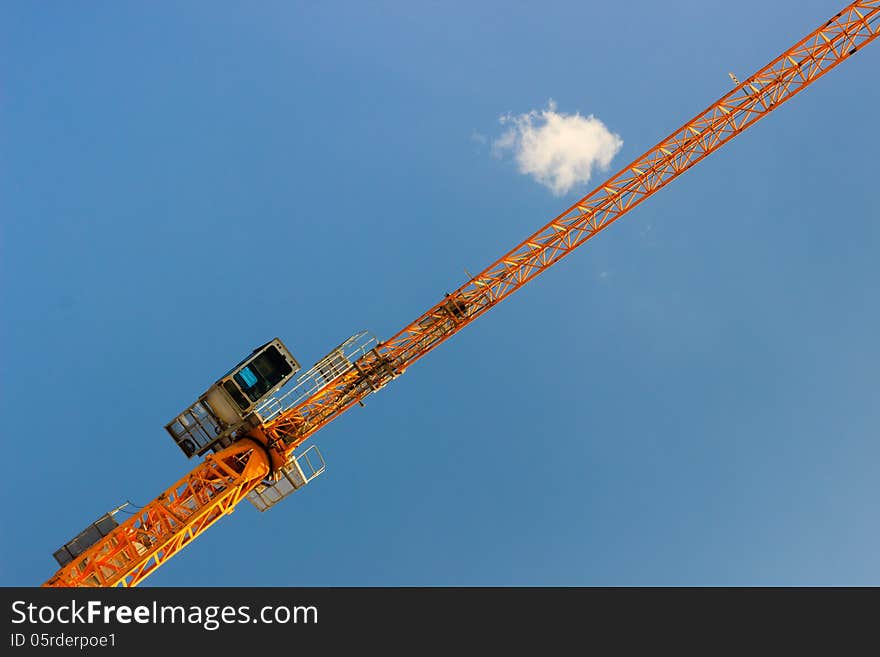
[(226, 410)]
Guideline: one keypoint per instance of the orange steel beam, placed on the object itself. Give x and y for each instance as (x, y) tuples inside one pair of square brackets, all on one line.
[(752, 99), (137, 547), (143, 543)]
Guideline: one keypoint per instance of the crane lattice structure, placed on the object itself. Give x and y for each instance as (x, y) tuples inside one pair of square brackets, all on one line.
[(131, 551)]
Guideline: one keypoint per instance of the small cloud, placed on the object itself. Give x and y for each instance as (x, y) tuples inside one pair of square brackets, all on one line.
[(558, 150), (479, 138), (603, 275)]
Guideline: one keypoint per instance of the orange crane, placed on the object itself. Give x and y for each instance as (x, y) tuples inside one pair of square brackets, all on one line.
[(251, 441)]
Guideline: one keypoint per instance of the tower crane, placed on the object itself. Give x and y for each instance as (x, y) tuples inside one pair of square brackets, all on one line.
[(250, 426)]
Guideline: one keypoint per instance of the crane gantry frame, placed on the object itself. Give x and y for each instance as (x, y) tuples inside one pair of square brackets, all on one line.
[(138, 546)]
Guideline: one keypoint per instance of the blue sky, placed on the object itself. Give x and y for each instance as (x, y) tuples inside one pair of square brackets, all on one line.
[(689, 399)]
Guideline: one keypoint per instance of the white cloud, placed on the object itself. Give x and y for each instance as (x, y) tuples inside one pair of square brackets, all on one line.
[(558, 150)]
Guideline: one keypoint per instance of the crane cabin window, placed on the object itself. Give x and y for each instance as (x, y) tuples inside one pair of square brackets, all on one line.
[(263, 373), (235, 393)]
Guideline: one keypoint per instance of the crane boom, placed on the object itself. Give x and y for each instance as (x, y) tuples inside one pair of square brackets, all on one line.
[(751, 100), (137, 547)]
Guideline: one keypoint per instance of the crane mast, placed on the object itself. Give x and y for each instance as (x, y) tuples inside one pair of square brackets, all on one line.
[(138, 546)]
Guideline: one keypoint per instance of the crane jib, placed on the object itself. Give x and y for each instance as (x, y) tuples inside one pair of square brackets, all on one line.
[(749, 101)]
